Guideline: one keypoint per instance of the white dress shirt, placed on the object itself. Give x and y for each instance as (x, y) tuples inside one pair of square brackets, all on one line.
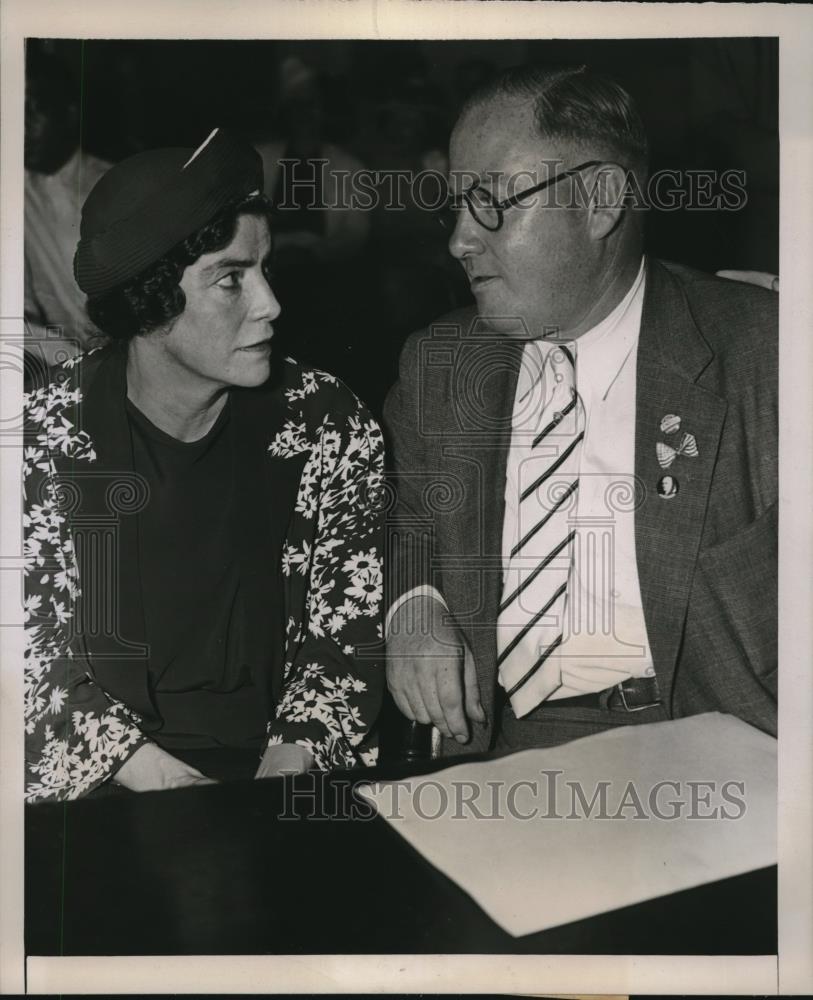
[(605, 632), (53, 211)]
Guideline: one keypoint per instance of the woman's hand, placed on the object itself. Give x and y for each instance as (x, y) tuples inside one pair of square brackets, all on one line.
[(153, 769), (284, 758)]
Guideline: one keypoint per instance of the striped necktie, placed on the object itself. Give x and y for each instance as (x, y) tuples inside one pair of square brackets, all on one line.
[(531, 619)]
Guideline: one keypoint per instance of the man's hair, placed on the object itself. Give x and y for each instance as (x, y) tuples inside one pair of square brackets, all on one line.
[(154, 297), (575, 104)]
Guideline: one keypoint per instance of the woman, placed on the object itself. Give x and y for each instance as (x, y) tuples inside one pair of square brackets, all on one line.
[(203, 519)]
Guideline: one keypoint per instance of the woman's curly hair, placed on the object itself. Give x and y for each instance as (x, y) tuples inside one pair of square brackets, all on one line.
[(154, 297)]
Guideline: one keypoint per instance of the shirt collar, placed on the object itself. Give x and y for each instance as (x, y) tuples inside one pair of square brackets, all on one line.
[(603, 350), (600, 352)]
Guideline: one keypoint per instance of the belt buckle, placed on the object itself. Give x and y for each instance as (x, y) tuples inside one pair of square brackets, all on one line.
[(634, 708)]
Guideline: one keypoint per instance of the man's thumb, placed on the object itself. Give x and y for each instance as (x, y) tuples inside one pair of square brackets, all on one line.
[(474, 709)]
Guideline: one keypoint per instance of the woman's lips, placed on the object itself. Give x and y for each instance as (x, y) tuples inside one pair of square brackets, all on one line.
[(262, 346)]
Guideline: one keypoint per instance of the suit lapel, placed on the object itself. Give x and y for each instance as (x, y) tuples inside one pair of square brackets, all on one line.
[(486, 370), (671, 356)]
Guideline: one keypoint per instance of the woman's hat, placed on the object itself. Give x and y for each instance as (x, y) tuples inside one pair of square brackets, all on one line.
[(147, 204)]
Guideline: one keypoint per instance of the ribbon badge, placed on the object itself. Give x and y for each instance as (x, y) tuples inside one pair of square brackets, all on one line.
[(665, 452)]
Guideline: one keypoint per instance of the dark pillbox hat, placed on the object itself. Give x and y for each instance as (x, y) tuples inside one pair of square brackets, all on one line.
[(145, 205)]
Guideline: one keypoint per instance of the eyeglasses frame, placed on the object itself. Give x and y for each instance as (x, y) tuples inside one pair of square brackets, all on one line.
[(515, 199)]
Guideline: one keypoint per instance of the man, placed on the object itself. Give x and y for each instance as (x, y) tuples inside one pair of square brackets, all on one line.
[(58, 177), (202, 522), (586, 463)]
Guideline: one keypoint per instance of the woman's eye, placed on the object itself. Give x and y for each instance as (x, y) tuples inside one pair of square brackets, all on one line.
[(230, 280)]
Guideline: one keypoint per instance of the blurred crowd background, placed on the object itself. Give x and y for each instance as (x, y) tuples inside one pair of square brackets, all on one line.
[(354, 284)]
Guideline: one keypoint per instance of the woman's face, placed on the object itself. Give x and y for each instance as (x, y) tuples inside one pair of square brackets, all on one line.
[(223, 336)]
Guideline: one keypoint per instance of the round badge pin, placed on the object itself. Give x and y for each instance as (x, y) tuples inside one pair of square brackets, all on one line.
[(668, 487)]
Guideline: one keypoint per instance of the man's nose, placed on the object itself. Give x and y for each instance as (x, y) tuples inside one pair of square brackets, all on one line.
[(466, 236)]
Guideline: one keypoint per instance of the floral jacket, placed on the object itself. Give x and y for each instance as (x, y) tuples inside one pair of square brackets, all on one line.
[(329, 690)]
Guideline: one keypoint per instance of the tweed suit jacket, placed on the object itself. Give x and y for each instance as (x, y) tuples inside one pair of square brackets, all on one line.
[(706, 557), (324, 455)]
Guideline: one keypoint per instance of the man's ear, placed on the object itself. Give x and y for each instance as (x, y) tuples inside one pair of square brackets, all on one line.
[(607, 204)]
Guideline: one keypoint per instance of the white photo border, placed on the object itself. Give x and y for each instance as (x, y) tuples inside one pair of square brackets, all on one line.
[(792, 971)]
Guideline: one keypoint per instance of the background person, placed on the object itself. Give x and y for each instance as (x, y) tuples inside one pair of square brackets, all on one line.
[(319, 234), (58, 177)]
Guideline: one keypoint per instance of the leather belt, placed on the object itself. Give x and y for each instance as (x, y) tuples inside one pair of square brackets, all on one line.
[(632, 695)]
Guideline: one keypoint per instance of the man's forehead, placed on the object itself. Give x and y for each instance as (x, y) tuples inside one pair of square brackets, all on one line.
[(496, 136), (514, 114)]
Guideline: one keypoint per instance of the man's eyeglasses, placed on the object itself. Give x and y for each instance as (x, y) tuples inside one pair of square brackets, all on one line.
[(488, 212)]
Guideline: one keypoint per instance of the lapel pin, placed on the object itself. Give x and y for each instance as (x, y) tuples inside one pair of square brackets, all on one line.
[(667, 454), (670, 424), (668, 487)]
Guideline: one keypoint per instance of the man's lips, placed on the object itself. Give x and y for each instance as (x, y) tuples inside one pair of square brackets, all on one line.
[(478, 280)]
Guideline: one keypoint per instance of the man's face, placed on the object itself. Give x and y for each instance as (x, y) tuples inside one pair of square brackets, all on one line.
[(539, 266), (223, 336)]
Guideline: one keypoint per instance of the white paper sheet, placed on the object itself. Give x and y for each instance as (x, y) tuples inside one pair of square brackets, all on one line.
[(570, 860)]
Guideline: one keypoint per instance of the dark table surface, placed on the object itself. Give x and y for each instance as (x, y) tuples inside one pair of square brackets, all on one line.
[(282, 867)]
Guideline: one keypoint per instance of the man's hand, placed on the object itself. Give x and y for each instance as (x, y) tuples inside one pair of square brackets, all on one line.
[(430, 669), (152, 769), (284, 758)]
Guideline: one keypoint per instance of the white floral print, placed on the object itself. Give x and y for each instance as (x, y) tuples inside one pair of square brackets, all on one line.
[(76, 736)]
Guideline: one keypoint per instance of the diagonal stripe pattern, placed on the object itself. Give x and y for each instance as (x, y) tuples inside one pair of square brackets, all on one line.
[(531, 619)]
